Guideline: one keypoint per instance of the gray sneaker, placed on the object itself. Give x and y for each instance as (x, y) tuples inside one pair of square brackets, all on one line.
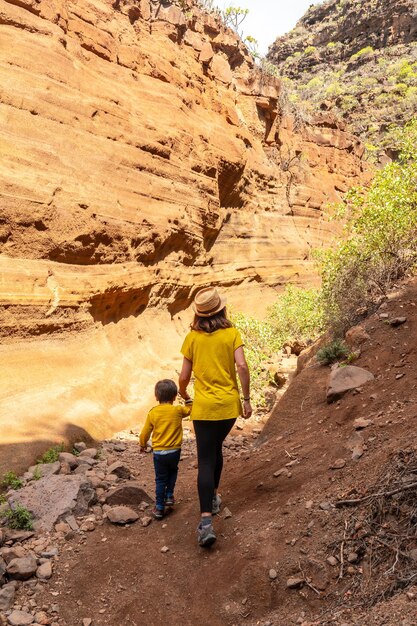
[(217, 502), (205, 535)]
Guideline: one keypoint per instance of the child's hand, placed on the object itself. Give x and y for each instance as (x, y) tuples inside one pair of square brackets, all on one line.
[(143, 449)]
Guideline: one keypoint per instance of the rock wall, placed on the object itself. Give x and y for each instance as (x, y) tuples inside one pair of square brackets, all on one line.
[(356, 24), (359, 60), (143, 156)]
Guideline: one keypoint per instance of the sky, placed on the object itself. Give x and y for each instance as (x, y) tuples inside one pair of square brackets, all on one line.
[(269, 18)]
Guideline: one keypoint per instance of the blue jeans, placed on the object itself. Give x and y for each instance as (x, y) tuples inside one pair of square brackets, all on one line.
[(166, 472)]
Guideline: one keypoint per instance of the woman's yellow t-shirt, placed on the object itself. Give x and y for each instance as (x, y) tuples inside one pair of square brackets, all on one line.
[(216, 394)]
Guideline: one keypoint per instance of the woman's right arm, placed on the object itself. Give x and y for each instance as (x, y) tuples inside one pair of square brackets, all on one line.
[(185, 377), (244, 377)]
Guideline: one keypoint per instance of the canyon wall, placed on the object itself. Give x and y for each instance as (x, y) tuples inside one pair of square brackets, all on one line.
[(143, 156), (357, 58)]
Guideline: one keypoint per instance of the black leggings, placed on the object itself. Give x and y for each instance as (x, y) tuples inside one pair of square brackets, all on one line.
[(210, 435)]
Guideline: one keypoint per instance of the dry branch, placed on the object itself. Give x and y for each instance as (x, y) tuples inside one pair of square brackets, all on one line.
[(340, 503)]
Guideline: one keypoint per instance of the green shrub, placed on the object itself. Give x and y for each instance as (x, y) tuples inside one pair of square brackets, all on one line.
[(11, 480), (331, 44), (260, 345), (361, 53), (310, 50), (19, 518), (401, 88), (3, 498), (297, 315), (380, 243), (406, 71), (332, 352), (347, 103), (52, 454), (317, 81), (334, 89), (37, 474)]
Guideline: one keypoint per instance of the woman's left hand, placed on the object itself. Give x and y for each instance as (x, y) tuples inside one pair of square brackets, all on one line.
[(247, 409)]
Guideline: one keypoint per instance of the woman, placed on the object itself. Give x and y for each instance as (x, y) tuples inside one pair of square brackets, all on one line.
[(213, 351)]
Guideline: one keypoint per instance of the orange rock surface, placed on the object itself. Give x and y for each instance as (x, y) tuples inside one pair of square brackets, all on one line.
[(143, 156)]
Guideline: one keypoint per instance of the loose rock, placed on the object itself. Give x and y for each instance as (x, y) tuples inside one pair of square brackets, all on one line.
[(295, 582), (20, 618), (338, 464), (42, 619), (22, 568), (356, 336), (273, 574), (361, 422), (357, 452), (397, 321), (67, 457), (122, 515), (343, 379), (120, 470), (88, 453), (352, 557), (7, 594), (44, 571), (227, 513), (326, 506)]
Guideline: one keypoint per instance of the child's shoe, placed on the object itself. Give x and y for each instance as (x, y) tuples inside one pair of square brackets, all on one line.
[(205, 535), (169, 501), (158, 513), (216, 504)]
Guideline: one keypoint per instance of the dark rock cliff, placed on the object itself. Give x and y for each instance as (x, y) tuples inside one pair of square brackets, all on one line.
[(357, 57)]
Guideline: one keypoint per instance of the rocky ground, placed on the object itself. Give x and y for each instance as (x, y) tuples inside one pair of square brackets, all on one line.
[(289, 551)]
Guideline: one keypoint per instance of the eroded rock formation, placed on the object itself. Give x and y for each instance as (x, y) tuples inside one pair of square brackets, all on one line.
[(357, 58), (143, 156)]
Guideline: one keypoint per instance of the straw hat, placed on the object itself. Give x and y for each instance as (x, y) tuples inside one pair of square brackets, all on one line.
[(207, 302)]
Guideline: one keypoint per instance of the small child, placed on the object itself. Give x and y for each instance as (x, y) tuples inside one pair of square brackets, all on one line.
[(165, 423)]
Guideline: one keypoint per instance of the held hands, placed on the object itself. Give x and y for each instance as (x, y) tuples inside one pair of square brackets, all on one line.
[(247, 409)]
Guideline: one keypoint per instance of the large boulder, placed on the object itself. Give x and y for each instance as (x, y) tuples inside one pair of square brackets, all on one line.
[(52, 498), (131, 494), (343, 379), (44, 469)]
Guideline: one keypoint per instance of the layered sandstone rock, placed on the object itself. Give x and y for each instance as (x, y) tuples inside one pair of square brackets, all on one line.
[(143, 156)]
